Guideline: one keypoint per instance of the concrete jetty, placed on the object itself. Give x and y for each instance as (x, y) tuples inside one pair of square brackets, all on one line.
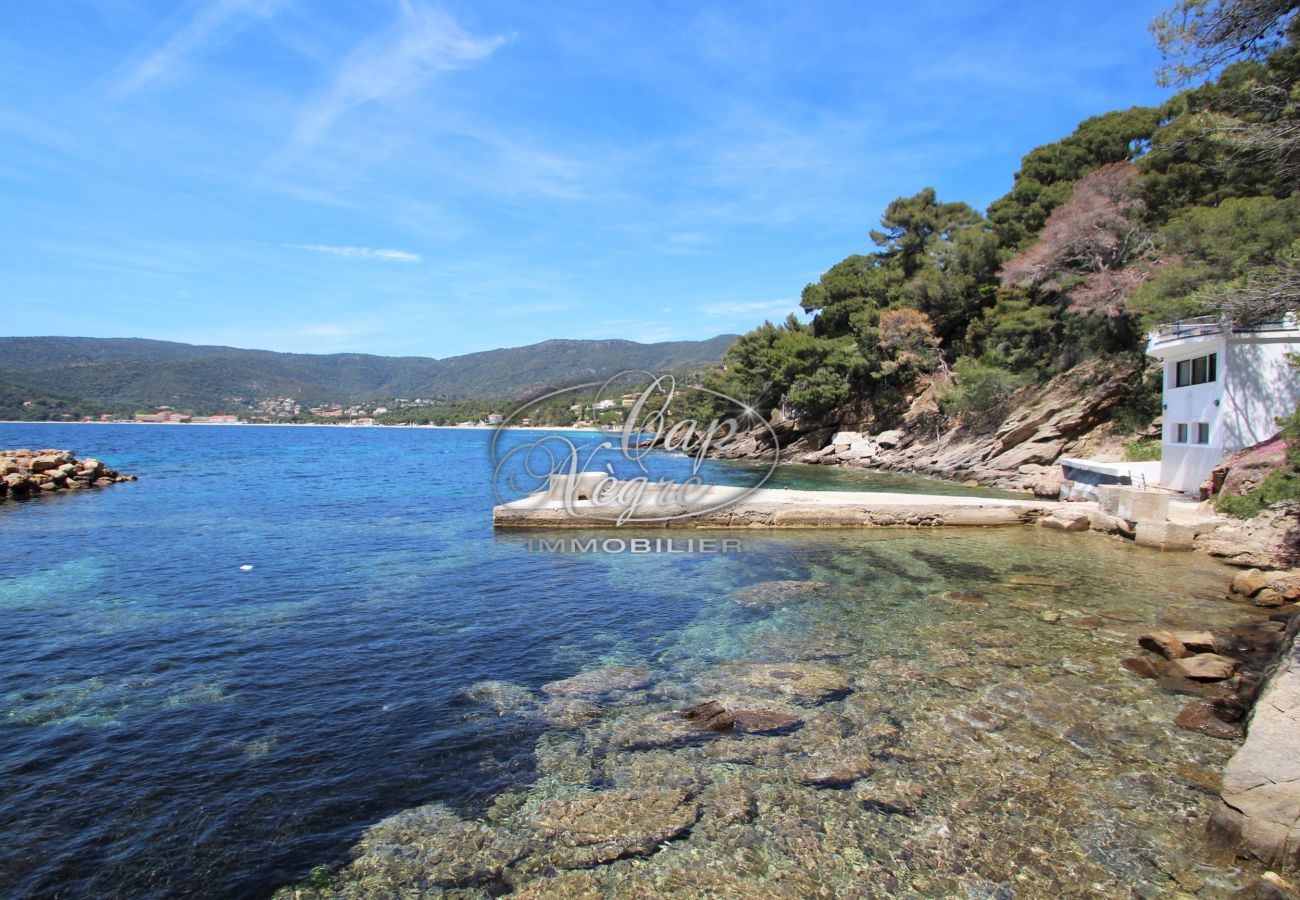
[(573, 505)]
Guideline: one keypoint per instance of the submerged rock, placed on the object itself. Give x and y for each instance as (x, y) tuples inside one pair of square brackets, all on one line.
[(765, 721), (804, 683), (430, 847), (1203, 717), (601, 826), (966, 598), (836, 772), (503, 696), (599, 682), (1144, 666), (769, 594), (895, 796)]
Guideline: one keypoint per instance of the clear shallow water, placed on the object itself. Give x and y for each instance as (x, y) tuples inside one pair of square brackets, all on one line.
[(174, 725)]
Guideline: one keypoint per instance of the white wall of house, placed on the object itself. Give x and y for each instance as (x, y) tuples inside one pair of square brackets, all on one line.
[(1261, 387), (1185, 463), (1254, 385)]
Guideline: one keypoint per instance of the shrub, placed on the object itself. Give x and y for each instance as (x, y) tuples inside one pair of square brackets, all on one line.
[(981, 391), (1277, 486), (1142, 450)]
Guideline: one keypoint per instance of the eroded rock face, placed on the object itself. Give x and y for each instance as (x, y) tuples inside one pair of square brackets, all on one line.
[(769, 594), (602, 826), (1271, 540), (1260, 813), (599, 682)]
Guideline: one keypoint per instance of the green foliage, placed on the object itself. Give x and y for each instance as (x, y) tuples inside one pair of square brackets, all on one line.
[(1047, 174), (1276, 487), (1142, 402), (1215, 246), (981, 391), (1142, 450), (1017, 332)]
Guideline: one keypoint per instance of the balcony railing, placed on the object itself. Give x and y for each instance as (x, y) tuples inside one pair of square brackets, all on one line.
[(1207, 325)]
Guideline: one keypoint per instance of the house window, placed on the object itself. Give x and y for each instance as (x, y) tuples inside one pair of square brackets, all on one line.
[(1180, 433), (1202, 432), (1200, 370)]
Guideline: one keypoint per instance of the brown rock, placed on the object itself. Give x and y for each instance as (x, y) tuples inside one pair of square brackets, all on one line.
[(1249, 582), (1287, 586), (1202, 717), (1205, 667), (1165, 643), (1197, 641), (1144, 666), (1268, 598), (709, 715), (835, 773), (765, 721)]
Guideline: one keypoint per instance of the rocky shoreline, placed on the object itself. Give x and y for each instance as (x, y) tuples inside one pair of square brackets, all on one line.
[(1068, 416), (794, 751), (33, 472)]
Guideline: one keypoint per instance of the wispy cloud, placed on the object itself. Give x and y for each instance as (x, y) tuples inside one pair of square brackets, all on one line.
[(211, 21), (376, 253), (421, 43), (769, 308)]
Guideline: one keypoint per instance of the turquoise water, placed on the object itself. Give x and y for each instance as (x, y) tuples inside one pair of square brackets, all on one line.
[(172, 724)]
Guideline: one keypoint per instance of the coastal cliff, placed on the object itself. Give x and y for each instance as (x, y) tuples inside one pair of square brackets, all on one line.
[(1072, 414)]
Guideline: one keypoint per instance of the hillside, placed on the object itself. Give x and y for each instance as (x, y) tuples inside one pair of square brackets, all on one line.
[(123, 374), (953, 322)]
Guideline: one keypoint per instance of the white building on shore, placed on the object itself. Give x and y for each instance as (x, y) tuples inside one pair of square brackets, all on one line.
[(1224, 388)]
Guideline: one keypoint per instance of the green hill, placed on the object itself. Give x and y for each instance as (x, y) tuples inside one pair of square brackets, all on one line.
[(123, 374)]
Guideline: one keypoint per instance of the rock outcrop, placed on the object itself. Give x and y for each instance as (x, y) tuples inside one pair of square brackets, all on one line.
[(1260, 812), (1242, 471), (1270, 540), (1070, 415), (31, 472)]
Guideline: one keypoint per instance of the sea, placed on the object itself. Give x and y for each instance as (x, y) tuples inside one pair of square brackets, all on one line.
[(215, 679)]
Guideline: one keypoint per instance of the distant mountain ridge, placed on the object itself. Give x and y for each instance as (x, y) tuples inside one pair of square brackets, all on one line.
[(141, 373)]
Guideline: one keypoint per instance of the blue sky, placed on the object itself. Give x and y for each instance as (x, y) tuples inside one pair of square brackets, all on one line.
[(400, 177)]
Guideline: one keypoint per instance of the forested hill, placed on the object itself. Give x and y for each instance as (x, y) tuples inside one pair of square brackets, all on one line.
[(128, 373), (1140, 216)]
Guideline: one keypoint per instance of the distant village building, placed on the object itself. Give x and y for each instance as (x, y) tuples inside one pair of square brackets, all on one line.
[(1224, 389)]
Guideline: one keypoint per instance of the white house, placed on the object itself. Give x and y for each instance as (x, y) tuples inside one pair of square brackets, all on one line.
[(1224, 387)]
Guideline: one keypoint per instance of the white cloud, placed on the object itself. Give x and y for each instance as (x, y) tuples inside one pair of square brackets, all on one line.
[(423, 42), (211, 21), (376, 253), (769, 308)]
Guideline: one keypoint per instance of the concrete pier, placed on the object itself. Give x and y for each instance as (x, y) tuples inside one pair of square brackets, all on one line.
[(722, 507)]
